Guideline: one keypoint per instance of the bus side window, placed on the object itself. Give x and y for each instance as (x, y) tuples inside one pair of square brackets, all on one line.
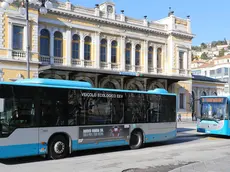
[(227, 112)]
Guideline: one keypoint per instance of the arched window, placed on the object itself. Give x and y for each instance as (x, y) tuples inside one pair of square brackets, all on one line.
[(75, 46), (103, 50), (137, 55), (45, 42), (58, 44), (150, 57), (159, 51), (203, 93), (87, 48), (114, 52), (128, 54), (110, 85)]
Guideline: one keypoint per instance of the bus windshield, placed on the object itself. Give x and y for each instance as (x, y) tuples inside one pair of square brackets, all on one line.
[(213, 111)]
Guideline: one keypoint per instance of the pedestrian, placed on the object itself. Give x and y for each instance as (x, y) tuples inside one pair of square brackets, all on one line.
[(179, 117)]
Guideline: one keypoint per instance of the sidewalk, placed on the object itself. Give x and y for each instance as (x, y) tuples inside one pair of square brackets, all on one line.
[(217, 165)]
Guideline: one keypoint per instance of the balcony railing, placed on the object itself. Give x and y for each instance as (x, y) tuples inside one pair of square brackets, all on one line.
[(151, 70), (182, 71), (88, 63), (128, 67), (76, 62), (45, 59), (58, 60), (138, 68), (18, 55), (115, 66), (159, 70), (103, 65)]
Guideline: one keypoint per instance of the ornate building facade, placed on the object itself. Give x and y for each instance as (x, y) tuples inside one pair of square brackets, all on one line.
[(99, 46)]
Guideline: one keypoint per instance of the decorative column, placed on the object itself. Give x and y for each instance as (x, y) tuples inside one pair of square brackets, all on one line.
[(133, 57), (10, 40), (82, 48), (155, 58), (109, 52), (97, 49), (52, 47), (146, 64), (68, 47), (185, 61), (122, 53)]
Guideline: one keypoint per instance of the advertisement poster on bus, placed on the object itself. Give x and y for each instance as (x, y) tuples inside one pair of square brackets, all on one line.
[(103, 133)]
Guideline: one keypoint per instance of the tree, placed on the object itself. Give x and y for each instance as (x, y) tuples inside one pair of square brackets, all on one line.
[(196, 48), (203, 46), (221, 52), (204, 56)]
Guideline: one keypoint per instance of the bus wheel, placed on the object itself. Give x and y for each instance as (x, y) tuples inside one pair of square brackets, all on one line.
[(136, 140), (58, 147)]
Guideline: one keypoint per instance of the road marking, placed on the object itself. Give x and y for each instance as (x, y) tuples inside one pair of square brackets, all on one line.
[(215, 138)]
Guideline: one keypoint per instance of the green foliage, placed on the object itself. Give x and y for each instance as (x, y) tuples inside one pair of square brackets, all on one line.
[(221, 52), (196, 48), (203, 46), (220, 42), (204, 56)]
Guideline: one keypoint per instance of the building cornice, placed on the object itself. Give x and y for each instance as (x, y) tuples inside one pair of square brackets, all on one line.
[(181, 34), (109, 21)]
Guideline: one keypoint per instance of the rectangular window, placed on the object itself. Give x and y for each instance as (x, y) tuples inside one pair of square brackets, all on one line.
[(225, 71), (103, 54), (137, 61), (114, 55), (87, 52), (17, 108), (181, 101), (150, 59), (18, 37), (181, 59), (127, 57), (58, 48), (44, 46), (218, 71), (212, 72), (75, 50), (96, 107)]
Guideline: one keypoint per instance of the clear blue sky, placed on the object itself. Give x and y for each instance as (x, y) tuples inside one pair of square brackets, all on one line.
[(210, 19)]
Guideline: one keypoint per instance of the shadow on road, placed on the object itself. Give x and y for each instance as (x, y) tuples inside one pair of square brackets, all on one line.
[(185, 129)]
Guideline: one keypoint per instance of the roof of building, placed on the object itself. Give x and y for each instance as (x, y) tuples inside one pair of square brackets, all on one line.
[(205, 78)]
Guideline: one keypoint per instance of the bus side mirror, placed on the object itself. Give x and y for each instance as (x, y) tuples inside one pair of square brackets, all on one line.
[(2, 105)]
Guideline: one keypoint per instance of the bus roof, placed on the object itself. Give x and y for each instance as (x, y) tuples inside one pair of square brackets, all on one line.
[(56, 83)]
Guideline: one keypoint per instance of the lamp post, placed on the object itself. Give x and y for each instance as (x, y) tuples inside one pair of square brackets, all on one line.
[(24, 10)]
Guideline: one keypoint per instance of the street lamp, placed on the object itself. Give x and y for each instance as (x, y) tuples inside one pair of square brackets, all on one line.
[(24, 10)]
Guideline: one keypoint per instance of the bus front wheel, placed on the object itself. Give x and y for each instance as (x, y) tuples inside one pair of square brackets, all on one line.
[(136, 140), (58, 147)]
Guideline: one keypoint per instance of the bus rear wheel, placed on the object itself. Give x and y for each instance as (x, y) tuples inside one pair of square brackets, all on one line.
[(58, 147), (136, 140)]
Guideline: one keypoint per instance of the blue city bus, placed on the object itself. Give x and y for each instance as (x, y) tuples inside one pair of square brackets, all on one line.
[(214, 117), (53, 118)]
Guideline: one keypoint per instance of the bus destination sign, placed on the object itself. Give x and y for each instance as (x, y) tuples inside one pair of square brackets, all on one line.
[(213, 100)]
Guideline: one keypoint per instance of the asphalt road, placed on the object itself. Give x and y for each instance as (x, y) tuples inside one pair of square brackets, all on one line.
[(188, 148)]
